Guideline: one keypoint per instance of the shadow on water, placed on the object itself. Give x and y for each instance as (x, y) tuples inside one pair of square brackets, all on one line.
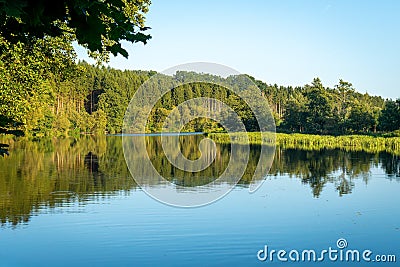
[(49, 173)]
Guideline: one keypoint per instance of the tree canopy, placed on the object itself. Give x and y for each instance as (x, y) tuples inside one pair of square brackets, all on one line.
[(94, 99), (98, 25), (43, 91), (38, 62)]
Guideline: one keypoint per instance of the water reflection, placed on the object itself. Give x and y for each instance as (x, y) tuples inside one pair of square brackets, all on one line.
[(3, 150), (92, 164), (317, 168), (49, 173)]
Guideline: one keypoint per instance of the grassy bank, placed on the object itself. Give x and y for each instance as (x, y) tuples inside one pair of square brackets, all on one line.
[(316, 142)]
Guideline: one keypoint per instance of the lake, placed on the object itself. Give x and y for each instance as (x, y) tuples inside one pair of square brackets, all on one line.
[(73, 202)]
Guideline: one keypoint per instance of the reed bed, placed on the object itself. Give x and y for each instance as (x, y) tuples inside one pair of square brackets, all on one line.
[(314, 142)]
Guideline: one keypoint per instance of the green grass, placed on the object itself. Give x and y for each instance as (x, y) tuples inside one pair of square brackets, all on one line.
[(315, 142)]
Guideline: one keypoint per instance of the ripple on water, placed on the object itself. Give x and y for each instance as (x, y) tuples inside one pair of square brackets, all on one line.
[(62, 193)]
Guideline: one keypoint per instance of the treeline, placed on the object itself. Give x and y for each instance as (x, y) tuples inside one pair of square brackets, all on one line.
[(316, 109), (49, 94)]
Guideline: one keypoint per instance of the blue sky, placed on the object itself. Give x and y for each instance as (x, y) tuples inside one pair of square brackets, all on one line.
[(281, 41)]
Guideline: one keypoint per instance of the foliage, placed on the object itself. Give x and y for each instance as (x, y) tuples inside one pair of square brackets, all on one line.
[(98, 25), (44, 92), (316, 109), (81, 98), (390, 118), (27, 82)]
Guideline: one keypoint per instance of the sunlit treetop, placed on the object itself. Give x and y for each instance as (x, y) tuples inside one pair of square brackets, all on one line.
[(98, 25)]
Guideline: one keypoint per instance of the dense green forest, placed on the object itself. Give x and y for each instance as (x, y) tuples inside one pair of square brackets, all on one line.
[(38, 61), (45, 92), (82, 98)]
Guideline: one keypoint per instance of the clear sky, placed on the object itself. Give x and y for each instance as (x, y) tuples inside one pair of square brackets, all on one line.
[(279, 41)]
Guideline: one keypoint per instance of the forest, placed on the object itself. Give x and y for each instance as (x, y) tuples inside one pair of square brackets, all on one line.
[(79, 98), (46, 91)]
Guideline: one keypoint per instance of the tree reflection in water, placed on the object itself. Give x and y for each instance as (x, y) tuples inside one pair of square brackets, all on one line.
[(49, 172)]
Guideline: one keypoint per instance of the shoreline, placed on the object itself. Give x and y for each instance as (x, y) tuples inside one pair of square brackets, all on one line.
[(366, 143)]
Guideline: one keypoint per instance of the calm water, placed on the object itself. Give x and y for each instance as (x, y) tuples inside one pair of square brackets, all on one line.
[(73, 203)]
